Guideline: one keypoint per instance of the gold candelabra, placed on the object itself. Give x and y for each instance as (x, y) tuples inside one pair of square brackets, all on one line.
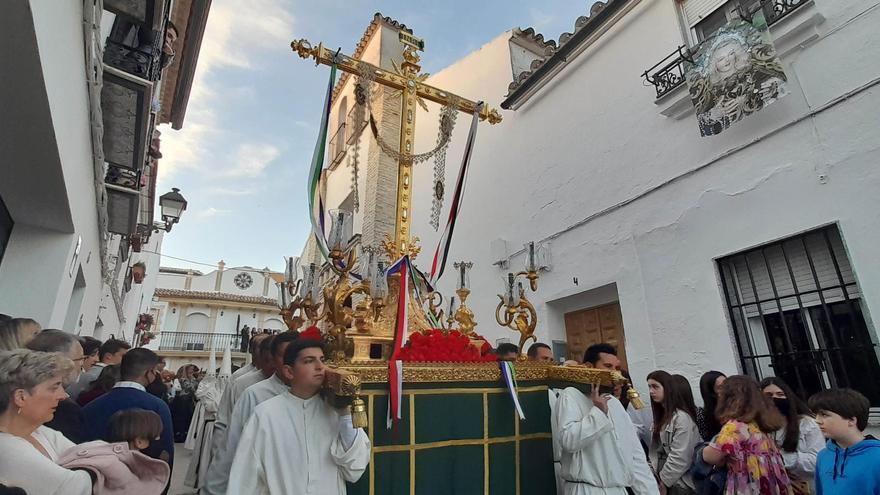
[(463, 315), (515, 311)]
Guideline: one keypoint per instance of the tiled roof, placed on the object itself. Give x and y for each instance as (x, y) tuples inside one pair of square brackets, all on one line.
[(531, 35), (551, 46), (378, 18), (215, 296)]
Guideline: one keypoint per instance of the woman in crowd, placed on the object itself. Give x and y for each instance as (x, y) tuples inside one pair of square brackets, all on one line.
[(184, 402), (90, 346), (15, 333), (745, 444), (800, 439), (675, 430), (106, 380), (707, 421), (30, 390)]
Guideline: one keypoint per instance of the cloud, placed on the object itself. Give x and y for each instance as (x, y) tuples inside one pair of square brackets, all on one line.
[(232, 37), (211, 212), (251, 159), (232, 40), (229, 191)]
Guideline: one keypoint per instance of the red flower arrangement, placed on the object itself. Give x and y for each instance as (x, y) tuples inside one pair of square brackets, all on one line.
[(435, 346), (311, 333)]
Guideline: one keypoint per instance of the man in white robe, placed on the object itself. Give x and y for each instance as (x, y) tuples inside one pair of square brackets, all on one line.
[(244, 407), (296, 443), (591, 432), (215, 478), (201, 429)]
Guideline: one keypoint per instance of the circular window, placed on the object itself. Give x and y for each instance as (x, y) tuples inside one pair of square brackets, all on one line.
[(243, 281)]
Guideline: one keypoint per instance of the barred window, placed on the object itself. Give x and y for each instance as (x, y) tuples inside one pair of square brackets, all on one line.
[(797, 313)]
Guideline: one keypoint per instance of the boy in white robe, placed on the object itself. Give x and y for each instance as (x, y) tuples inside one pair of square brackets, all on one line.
[(296, 443), (244, 407), (215, 479)]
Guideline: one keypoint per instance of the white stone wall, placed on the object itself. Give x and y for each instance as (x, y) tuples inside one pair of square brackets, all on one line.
[(40, 274), (633, 198)]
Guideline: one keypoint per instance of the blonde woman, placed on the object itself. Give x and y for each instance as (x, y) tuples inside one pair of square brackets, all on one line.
[(15, 333), (30, 390)]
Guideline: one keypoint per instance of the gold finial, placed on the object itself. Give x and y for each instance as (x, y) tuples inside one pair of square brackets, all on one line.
[(305, 49)]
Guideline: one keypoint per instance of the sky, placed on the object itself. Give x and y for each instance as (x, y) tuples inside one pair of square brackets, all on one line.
[(241, 158)]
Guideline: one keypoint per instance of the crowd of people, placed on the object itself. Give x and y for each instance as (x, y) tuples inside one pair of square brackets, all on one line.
[(80, 416), (747, 438)]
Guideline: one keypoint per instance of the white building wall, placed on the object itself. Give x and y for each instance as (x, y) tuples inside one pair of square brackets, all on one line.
[(636, 199), (139, 298), (171, 280), (36, 279)]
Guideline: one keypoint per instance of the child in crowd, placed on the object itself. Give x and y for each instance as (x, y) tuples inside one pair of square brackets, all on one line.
[(850, 461), (137, 427)]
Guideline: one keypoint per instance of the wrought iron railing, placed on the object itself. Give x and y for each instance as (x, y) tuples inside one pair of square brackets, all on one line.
[(337, 144), (668, 74), (198, 341), (354, 130), (144, 62)]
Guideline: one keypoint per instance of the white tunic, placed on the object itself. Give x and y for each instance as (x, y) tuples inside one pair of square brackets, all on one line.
[(201, 429), (244, 408), (23, 466), (553, 396), (293, 446), (224, 414), (243, 370), (599, 454)]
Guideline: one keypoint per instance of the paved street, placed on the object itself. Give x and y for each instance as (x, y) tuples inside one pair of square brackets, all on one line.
[(182, 457)]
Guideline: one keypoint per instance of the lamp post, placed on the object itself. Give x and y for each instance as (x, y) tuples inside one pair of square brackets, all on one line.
[(172, 205)]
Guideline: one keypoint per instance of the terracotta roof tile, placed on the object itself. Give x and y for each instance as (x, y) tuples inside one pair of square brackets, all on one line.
[(215, 296), (552, 46)]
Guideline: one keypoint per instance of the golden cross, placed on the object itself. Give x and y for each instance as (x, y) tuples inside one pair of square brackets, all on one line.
[(409, 82)]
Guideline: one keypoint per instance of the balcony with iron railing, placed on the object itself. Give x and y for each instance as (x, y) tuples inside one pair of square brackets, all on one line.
[(669, 73), (199, 342), (144, 61), (354, 127)]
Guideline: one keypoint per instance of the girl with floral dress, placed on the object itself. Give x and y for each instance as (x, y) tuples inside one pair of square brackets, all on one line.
[(745, 444)]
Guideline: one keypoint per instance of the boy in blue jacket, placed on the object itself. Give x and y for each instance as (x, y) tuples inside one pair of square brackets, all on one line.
[(850, 462)]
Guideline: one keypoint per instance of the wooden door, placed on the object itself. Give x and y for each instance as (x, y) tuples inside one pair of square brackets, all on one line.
[(586, 327)]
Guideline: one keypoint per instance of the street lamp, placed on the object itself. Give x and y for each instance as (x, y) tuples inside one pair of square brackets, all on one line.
[(172, 204)]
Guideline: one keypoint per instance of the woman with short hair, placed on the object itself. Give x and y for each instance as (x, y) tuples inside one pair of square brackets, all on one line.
[(30, 390), (90, 346)]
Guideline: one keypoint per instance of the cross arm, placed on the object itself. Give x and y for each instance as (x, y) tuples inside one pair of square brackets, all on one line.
[(323, 55)]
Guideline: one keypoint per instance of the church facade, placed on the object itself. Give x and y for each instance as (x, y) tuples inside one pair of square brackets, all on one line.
[(749, 251), (194, 312)]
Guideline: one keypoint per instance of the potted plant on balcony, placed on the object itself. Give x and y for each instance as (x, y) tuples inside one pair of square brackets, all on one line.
[(136, 243), (144, 324), (138, 271)]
